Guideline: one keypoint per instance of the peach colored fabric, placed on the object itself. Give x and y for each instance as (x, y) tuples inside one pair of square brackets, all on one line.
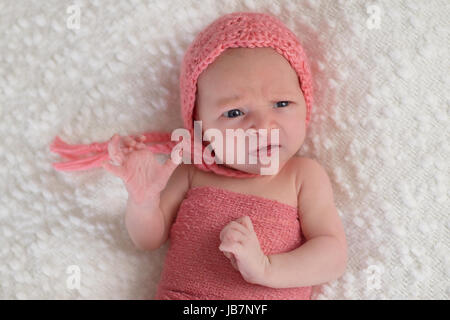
[(195, 268), (238, 29)]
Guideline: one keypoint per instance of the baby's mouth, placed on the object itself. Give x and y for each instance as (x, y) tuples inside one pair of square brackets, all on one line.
[(268, 149)]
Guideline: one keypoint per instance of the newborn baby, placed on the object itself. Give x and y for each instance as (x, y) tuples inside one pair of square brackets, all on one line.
[(235, 233)]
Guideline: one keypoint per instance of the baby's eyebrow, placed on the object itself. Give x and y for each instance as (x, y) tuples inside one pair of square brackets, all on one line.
[(223, 102)]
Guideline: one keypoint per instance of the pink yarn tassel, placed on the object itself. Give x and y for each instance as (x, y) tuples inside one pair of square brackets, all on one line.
[(73, 152)]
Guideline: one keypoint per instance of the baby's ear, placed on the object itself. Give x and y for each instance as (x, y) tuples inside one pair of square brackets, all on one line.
[(195, 112)]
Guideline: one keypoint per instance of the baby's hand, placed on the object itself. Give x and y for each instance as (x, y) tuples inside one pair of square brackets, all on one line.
[(240, 244), (136, 165)]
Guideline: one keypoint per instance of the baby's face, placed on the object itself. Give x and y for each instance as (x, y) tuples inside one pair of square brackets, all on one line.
[(247, 88)]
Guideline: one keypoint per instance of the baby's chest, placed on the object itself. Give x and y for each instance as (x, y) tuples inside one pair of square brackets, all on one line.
[(201, 218), (283, 188)]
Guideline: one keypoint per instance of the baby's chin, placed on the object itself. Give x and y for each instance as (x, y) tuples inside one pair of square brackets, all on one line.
[(251, 168)]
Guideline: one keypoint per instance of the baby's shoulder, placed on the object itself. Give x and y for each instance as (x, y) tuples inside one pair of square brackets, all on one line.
[(302, 168), (304, 162)]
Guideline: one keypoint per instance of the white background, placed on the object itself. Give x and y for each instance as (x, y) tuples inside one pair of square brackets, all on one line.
[(379, 127)]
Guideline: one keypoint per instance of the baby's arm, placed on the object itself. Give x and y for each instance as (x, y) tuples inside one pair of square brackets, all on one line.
[(149, 223), (324, 255)]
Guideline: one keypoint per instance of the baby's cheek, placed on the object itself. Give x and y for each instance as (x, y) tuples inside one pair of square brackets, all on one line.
[(295, 128)]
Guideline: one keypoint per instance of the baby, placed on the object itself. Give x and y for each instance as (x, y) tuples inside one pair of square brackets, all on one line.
[(235, 233)]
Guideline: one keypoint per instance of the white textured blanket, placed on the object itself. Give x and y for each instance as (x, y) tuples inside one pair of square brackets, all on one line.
[(380, 128)]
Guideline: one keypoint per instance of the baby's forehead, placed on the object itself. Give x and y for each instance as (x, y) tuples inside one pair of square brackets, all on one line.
[(230, 68), (244, 85), (266, 58)]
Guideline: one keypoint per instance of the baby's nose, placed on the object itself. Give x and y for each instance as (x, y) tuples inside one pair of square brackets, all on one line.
[(263, 125), (259, 120)]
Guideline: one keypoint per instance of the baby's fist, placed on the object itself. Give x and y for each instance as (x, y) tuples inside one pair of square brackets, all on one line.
[(240, 244)]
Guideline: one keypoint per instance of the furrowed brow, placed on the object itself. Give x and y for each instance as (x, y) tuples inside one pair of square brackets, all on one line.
[(223, 102)]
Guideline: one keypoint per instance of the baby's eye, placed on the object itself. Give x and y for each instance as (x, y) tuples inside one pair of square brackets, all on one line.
[(232, 113), (282, 103)]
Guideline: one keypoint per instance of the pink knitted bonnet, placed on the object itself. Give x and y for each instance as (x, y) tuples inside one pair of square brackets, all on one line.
[(238, 29)]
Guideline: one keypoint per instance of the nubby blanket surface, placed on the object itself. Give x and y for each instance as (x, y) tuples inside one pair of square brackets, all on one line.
[(84, 70)]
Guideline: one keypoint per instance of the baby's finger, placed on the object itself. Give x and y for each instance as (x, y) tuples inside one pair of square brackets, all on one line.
[(227, 254), (232, 259), (235, 247), (239, 227), (117, 159), (233, 225), (113, 155), (114, 146), (247, 222), (233, 236), (224, 234), (234, 262), (129, 142), (120, 158)]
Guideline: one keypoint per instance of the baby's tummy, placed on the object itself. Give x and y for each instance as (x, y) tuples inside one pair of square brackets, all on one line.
[(195, 268)]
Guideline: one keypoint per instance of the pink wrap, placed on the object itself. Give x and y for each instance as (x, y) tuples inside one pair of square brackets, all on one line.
[(195, 268)]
